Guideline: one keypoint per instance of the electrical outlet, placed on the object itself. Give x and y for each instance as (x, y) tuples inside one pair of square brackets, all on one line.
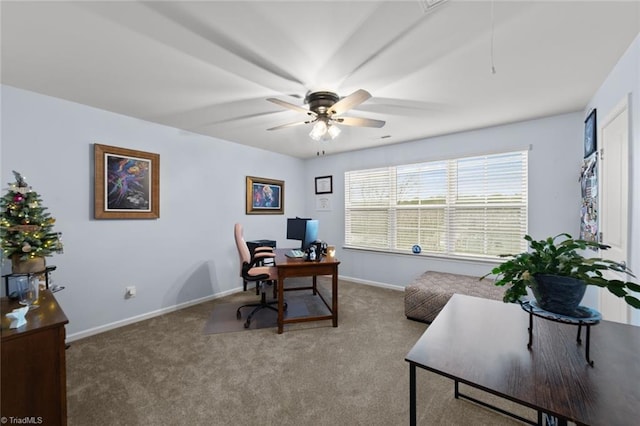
[(130, 292)]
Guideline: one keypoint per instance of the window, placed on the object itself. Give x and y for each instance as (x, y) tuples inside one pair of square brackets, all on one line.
[(474, 206)]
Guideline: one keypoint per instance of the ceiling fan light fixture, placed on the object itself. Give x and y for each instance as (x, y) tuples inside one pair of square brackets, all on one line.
[(326, 109), (319, 129), (333, 131)]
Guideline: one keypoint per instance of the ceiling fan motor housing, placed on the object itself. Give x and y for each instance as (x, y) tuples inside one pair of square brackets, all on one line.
[(325, 109), (320, 102)]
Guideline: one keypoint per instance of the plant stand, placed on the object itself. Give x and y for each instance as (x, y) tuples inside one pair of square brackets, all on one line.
[(584, 316)]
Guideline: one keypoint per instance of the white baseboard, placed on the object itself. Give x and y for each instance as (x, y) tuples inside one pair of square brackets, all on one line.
[(101, 329), (373, 283)]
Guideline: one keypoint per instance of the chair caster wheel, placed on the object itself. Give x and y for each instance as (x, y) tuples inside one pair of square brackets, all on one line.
[(238, 314), (246, 324)]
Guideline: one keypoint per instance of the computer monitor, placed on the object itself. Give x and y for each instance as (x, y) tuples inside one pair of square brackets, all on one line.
[(296, 228), (304, 230), (310, 234)]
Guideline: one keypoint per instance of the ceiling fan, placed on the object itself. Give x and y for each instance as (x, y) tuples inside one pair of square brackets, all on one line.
[(325, 110)]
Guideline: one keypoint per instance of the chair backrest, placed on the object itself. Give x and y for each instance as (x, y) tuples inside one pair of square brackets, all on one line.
[(243, 249)]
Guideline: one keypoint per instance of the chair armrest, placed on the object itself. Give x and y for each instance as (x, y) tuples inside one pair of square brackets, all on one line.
[(263, 255), (246, 268), (263, 249), (259, 258)]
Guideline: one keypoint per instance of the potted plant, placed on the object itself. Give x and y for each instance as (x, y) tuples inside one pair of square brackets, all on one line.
[(558, 274)]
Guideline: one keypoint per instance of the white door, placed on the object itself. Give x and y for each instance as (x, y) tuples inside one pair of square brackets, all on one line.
[(614, 160)]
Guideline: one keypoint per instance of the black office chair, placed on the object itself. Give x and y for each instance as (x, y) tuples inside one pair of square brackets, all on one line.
[(253, 269), (263, 256)]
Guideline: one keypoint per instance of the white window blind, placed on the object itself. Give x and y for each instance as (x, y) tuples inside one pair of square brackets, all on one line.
[(474, 206)]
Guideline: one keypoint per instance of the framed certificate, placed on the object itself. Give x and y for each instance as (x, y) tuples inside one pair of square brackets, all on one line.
[(324, 185)]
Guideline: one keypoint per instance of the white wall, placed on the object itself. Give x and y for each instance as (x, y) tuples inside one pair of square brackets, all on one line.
[(554, 193), (187, 254), (623, 81)]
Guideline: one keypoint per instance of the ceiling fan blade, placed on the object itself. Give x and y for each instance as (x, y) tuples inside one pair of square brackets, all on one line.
[(348, 102), (198, 29), (284, 126), (291, 106), (359, 122)]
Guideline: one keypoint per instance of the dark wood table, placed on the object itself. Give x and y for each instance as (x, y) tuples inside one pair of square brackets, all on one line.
[(483, 343), (34, 380), (295, 267)]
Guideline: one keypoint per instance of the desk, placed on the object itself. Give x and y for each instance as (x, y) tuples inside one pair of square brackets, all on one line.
[(292, 267), (483, 343)]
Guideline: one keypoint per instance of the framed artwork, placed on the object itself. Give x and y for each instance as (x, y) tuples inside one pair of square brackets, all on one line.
[(126, 184), (324, 185), (590, 139), (264, 196), (589, 207)]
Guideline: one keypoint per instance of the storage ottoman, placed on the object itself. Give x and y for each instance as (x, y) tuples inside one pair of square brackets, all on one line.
[(427, 294)]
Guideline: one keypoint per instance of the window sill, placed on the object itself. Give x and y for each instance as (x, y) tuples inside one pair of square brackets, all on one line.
[(473, 259)]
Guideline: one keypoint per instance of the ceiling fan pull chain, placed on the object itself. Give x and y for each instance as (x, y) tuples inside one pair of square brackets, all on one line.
[(493, 68)]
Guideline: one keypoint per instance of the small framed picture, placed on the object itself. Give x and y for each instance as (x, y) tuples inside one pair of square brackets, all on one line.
[(324, 185), (264, 196), (590, 134)]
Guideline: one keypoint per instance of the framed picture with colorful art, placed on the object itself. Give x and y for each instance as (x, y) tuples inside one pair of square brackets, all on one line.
[(590, 134), (127, 183), (264, 196)]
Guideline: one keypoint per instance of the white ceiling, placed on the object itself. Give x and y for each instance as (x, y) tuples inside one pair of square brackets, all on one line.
[(208, 66)]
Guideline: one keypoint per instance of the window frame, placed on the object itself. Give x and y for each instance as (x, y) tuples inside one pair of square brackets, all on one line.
[(493, 235)]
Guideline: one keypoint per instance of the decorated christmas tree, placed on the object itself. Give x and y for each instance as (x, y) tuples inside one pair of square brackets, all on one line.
[(26, 228)]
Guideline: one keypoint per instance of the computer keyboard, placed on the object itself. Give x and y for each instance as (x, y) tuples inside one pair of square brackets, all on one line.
[(295, 253)]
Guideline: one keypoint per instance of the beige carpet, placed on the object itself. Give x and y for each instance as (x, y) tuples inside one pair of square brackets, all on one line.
[(166, 371), (224, 318)]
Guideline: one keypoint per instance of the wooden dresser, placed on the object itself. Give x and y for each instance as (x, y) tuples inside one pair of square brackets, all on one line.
[(33, 366)]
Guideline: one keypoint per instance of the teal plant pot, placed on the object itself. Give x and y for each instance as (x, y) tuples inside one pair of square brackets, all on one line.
[(558, 294)]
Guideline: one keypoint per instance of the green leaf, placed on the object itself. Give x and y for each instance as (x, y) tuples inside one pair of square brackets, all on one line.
[(618, 291), (633, 287), (632, 301)]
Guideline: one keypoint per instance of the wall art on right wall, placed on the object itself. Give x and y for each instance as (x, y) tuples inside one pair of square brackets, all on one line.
[(590, 134), (589, 207)]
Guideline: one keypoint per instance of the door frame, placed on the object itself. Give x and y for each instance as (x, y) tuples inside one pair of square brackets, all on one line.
[(622, 106)]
